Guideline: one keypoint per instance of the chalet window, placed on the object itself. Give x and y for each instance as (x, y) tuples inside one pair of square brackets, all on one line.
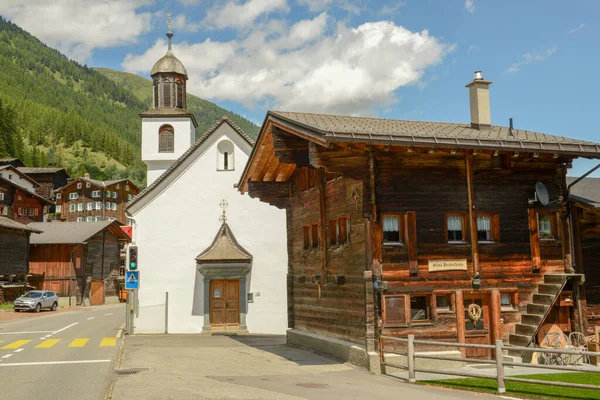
[(72, 207), (339, 231), (88, 185), (80, 219), (129, 196), (392, 229), (166, 139), (89, 206), (488, 229), (23, 211), (58, 209), (79, 185), (10, 177), (127, 188), (96, 193), (118, 186), (507, 301), (20, 198), (89, 219), (98, 219), (80, 206), (405, 310), (114, 195), (443, 303), (315, 236), (107, 205), (1, 196), (58, 195), (113, 206), (31, 212), (73, 196), (225, 156), (456, 228), (4, 211), (547, 226), (107, 194), (98, 205)]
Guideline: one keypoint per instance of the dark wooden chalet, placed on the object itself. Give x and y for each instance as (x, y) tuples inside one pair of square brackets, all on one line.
[(14, 248), (15, 162), (49, 179), (89, 200), (75, 259), (433, 229), (21, 204)]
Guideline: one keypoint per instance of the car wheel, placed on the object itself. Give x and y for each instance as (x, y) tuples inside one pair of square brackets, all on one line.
[(38, 307), (16, 310), (54, 306)]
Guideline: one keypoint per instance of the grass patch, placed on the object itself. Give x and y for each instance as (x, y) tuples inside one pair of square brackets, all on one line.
[(6, 306), (531, 390)]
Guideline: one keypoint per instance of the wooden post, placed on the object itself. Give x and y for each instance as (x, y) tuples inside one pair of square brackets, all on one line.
[(411, 358), (460, 320), (500, 367), (472, 215), (411, 241), (324, 224), (496, 308), (534, 239), (376, 228)]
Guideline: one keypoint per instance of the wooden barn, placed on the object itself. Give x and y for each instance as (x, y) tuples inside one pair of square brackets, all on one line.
[(426, 228), (74, 259)]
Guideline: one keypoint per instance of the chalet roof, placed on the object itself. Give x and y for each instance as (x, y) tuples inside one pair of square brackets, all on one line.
[(189, 155), (339, 128), (35, 170), (586, 191), (20, 173), (7, 223), (73, 232), (224, 249), (25, 190), (95, 182), (10, 160)]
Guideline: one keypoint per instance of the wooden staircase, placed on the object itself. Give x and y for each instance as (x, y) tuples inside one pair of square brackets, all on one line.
[(538, 309)]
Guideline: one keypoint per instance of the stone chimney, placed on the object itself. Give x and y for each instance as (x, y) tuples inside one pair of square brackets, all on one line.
[(479, 94), (86, 175)]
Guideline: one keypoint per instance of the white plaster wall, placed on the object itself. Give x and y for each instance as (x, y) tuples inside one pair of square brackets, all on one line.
[(16, 178), (183, 220), (184, 137)]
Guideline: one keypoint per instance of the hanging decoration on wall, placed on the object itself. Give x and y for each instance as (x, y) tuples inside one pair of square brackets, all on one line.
[(474, 311), (355, 197)]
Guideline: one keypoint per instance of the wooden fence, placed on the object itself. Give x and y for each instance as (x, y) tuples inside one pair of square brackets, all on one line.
[(497, 348)]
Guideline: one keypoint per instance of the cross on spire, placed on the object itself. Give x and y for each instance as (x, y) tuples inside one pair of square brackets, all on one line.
[(223, 204)]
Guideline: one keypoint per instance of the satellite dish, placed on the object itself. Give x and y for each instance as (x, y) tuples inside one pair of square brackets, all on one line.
[(542, 193)]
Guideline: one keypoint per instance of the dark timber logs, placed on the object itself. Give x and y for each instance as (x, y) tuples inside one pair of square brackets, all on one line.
[(472, 215)]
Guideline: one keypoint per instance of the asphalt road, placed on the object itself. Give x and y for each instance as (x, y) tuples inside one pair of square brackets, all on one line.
[(60, 356)]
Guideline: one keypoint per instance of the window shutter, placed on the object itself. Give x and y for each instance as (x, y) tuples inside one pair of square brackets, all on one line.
[(156, 95), (534, 239), (36, 212), (179, 95), (18, 210), (167, 94), (411, 241)]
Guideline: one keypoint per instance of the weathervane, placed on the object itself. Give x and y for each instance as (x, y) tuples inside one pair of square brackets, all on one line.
[(169, 22), (223, 204)]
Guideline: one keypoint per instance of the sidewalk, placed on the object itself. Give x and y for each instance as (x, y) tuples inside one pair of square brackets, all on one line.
[(249, 367)]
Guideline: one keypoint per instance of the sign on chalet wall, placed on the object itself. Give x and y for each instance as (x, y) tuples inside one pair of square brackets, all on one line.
[(447, 265)]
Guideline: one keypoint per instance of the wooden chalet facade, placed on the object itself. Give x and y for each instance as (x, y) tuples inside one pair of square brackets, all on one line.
[(21, 204), (90, 200), (432, 229), (48, 178), (74, 259), (14, 248)]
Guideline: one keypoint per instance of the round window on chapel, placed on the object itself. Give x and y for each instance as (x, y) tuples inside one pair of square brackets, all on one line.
[(225, 156)]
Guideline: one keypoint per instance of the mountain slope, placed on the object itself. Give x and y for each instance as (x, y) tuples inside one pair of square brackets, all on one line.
[(55, 111), (206, 112)]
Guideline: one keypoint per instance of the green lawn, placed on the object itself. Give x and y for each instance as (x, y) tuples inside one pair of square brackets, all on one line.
[(6, 306), (531, 390)]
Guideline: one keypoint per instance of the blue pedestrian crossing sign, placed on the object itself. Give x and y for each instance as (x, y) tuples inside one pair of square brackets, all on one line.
[(132, 279)]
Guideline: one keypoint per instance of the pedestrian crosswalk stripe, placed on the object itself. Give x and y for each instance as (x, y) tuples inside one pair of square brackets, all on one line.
[(16, 344), (46, 344), (79, 342), (108, 341)]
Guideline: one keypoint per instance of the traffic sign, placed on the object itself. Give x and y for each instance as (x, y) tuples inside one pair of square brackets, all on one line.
[(132, 279)]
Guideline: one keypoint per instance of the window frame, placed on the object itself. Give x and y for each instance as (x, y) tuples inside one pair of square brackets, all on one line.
[(514, 299), (88, 185), (73, 196), (445, 310), (465, 235), (401, 230), (79, 185), (340, 231), (73, 207), (58, 196), (553, 226), (494, 228), (409, 322), (1, 196), (168, 145)]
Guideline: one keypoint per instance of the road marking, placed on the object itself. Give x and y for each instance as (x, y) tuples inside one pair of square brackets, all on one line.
[(109, 313), (46, 344), (23, 333), (79, 342), (91, 318), (19, 350), (6, 356), (108, 342), (54, 363), (66, 327), (16, 345)]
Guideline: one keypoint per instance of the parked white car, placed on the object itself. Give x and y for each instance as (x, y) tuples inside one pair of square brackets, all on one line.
[(35, 300)]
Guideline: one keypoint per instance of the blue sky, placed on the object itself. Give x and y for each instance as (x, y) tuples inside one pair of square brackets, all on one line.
[(401, 60)]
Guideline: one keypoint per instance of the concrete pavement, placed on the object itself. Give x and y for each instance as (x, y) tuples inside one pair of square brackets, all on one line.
[(251, 367), (60, 355)]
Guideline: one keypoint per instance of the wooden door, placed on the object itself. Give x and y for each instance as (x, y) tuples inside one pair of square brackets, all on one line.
[(225, 304), (477, 326), (97, 293)]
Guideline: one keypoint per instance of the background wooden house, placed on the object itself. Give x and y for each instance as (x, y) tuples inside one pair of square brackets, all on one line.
[(74, 259), (425, 228), (20, 203), (48, 178)]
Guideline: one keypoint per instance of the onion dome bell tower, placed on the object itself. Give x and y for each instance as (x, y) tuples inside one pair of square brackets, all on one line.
[(168, 129)]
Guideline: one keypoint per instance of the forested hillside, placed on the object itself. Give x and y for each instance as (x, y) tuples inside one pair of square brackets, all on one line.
[(55, 111)]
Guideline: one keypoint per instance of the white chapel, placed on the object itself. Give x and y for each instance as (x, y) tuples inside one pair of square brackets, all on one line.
[(210, 259)]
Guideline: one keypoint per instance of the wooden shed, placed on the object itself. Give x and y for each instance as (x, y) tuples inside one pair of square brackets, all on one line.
[(77, 258), (14, 247)]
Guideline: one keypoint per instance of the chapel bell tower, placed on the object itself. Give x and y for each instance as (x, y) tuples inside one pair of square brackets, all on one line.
[(168, 129)]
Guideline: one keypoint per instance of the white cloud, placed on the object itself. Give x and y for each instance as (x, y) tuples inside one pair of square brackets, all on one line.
[(234, 14), (577, 28), (180, 23), (77, 27), (531, 57), (390, 9), (308, 66), (470, 6)]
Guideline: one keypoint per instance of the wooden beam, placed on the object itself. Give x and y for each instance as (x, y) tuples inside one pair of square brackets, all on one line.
[(285, 173), (472, 215), (460, 318), (260, 172), (273, 167), (534, 239), (275, 174), (320, 185)]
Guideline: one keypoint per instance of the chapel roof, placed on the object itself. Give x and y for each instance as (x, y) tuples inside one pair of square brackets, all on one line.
[(169, 63), (224, 249)]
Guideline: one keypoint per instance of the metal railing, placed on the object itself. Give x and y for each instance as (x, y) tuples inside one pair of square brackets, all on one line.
[(498, 349)]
